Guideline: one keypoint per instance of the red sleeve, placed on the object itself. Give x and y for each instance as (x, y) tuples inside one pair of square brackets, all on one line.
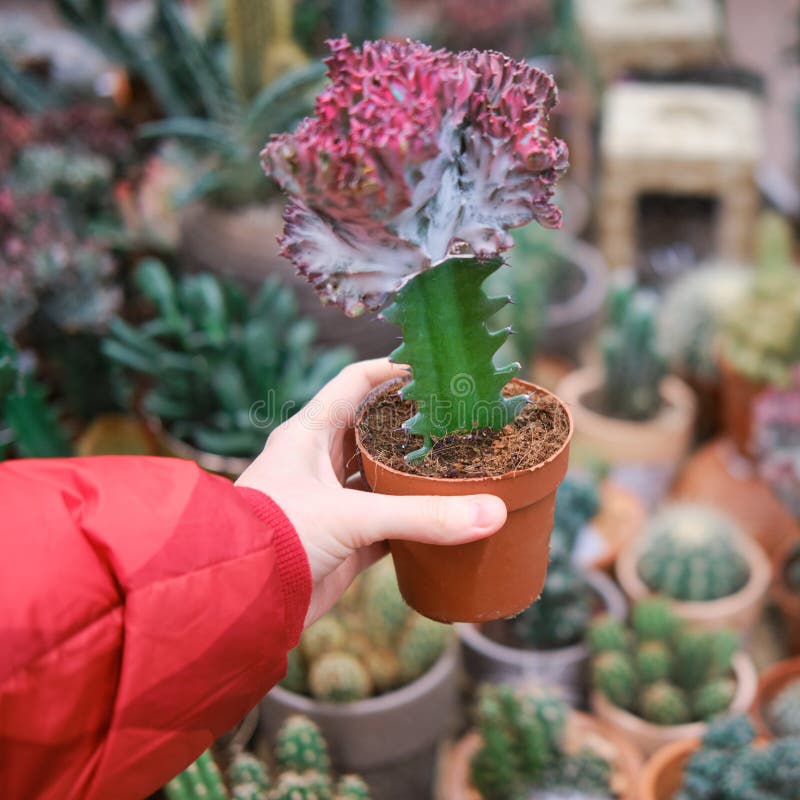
[(145, 607)]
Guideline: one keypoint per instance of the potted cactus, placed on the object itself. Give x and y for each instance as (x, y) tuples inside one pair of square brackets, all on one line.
[(404, 186), (219, 372), (713, 573), (629, 412), (545, 641), (528, 743), (299, 767), (730, 763), (369, 666), (659, 679), (776, 709)]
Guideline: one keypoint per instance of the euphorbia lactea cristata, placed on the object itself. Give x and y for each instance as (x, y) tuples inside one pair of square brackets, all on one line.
[(406, 182)]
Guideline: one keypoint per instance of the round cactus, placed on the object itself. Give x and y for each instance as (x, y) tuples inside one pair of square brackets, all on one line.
[(245, 768), (713, 698), (351, 787), (248, 791), (783, 712), (300, 746), (653, 619), (652, 661), (296, 678), (384, 609), (339, 677), (383, 667), (420, 645), (201, 780), (326, 634), (664, 704), (614, 675), (302, 786), (607, 633), (690, 553)]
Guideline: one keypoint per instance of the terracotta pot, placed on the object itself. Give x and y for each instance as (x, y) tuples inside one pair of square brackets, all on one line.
[(770, 682), (649, 737), (242, 243), (719, 475), (582, 730), (662, 775), (487, 658), (644, 456), (493, 578), (740, 611), (787, 600), (392, 739), (738, 394)]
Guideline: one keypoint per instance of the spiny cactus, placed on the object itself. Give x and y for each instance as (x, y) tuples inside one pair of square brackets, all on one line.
[(351, 787), (607, 633), (300, 747), (729, 766), (663, 670), (690, 553), (783, 711), (327, 633), (577, 502), (384, 610), (338, 677), (632, 364), (224, 371), (201, 780), (296, 678), (522, 733), (302, 786), (247, 770), (420, 645)]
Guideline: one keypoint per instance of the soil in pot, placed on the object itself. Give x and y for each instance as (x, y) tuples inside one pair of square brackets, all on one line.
[(522, 464)]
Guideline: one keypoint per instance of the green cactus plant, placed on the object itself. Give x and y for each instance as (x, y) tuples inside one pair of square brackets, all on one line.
[(783, 711), (731, 766), (338, 677), (300, 746), (223, 372), (296, 678), (302, 786), (633, 367), (384, 610), (661, 669), (247, 770), (690, 553), (351, 787), (420, 644), (327, 633), (522, 732), (201, 780)]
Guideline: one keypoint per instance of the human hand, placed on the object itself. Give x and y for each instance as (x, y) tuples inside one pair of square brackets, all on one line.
[(304, 467)]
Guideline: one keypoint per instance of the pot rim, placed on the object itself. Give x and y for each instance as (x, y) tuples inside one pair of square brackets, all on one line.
[(662, 758), (613, 603), (770, 682), (475, 479), (436, 674), (752, 593), (746, 679)]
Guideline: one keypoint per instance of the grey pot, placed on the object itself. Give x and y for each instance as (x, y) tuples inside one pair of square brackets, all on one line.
[(489, 661), (390, 740)]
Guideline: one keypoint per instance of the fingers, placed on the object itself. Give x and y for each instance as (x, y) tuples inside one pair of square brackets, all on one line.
[(367, 518)]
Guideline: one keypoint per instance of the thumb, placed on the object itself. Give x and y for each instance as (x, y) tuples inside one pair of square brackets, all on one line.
[(422, 518)]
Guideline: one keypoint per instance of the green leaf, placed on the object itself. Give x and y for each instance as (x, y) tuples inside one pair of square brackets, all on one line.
[(214, 135), (154, 281), (202, 297), (37, 433)]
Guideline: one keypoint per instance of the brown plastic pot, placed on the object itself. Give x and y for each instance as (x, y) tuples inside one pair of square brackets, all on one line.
[(582, 730), (770, 682), (740, 611), (787, 600), (649, 737), (662, 775), (738, 394), (493, 578)]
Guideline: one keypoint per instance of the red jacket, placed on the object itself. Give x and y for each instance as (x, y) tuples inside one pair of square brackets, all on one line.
[(145, 607)]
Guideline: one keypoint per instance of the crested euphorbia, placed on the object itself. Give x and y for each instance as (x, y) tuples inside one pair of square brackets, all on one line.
[(406, 182)]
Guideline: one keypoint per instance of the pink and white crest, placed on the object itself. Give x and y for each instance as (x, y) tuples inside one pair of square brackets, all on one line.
[(413, 152)]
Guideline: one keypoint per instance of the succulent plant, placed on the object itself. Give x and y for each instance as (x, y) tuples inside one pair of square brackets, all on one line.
[(338, 677), (661, 669), (633, 367), (577, 502), (224, 372), (351, 787), (420, 644), (302, 786), (296, 678), (783, 711), (522, 732), (201, 780), (384, 610), (300, 747), (729, 766), (761, 334), (247, 770), (327, 633), (423, 173), (690, 553), (691, 315)]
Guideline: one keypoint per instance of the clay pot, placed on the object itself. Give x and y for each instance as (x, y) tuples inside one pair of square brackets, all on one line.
[(391, 740), (738, 394), (770, 682), (581, 730), (649, 737), (717, 474), (487, 658), (489, 579), (644, 456), (662, 775), (740, 611), (242, 243), (787, 600)]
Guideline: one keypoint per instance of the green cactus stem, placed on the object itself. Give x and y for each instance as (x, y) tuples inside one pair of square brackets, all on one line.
[(300, 747), (201, 780), (443, 312)]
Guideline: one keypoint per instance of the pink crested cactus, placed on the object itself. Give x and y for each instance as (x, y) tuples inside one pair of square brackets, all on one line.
[(413, 154)]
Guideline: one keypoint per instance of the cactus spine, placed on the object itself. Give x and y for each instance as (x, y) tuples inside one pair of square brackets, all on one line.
[(299, 746), (783, 712), (339, 677), (201, 780)]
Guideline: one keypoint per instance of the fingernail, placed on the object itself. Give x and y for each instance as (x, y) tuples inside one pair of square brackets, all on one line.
[(484, 514)]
